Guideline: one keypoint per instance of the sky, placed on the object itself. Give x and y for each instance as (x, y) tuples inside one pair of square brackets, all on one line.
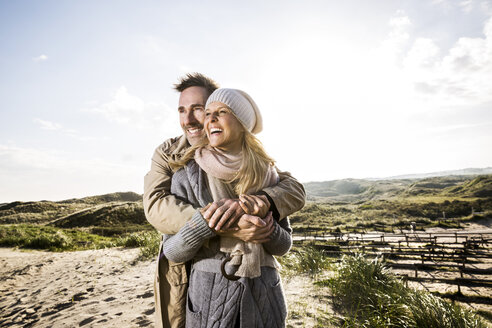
[(347, 89)]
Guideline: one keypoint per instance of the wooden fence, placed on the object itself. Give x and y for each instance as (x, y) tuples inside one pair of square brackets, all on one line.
[(465, 257)]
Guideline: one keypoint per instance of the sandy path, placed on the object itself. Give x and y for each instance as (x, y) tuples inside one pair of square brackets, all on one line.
[(97, 288), (105, 288)]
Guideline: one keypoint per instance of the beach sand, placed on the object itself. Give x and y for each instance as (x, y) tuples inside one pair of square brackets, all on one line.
[(96, 288), (102, 288)]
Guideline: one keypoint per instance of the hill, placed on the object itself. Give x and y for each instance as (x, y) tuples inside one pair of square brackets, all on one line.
[(47, 211), (106, 198), (388, 204), (462, 172), (105, 215), (360, 190)]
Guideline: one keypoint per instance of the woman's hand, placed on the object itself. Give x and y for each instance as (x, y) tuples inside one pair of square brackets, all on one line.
[(252, 229), (223, 213), (257, 205)]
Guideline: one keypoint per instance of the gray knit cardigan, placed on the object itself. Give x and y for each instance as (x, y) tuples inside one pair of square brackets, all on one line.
[(213, 300)]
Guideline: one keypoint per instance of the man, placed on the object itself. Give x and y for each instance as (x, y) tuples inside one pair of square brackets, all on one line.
[(168, 214)]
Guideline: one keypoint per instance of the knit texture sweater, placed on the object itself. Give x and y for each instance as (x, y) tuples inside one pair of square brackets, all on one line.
[(213, 300)]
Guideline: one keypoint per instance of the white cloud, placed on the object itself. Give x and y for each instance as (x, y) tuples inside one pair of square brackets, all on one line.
[(47, 125), (486, 7), (32, 174), (423, 54), (127, 109), (72, 133), (467, 5), (459, 76), (40, 58), (13, 158), (398, 37), (448, 128)]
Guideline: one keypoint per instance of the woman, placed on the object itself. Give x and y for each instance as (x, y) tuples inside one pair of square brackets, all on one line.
[(232, 283)]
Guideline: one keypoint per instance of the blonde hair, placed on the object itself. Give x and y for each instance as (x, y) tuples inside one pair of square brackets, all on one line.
[(254, 165)]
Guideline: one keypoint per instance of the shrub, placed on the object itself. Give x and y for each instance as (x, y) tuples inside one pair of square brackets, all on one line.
[(147, 241), (50, 238), (51, 241), (370, 296), (305, 260)]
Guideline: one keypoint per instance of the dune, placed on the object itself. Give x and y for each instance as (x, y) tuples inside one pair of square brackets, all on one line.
[(102, 288), (96, 288)]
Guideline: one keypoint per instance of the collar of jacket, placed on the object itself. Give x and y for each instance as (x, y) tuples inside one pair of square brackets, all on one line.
[(180, 146)]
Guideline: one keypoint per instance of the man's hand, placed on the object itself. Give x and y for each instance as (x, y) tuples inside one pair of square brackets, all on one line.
[(223, 214), (257, 205), (252, 229)]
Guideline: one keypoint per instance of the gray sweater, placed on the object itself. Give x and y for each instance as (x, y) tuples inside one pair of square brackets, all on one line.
[(214, 301)]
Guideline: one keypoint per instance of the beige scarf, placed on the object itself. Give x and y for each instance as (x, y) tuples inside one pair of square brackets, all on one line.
[(221, 168)]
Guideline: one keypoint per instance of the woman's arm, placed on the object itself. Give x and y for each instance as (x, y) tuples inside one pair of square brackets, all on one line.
[(281, 238), (183, 246)]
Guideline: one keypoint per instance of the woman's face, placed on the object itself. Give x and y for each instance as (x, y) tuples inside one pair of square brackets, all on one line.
[(223, 129)]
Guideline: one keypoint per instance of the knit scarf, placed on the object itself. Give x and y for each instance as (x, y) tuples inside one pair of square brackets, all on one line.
[(221, 168)]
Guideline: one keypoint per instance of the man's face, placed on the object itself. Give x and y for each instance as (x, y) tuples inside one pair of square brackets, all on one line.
[(191, 110)]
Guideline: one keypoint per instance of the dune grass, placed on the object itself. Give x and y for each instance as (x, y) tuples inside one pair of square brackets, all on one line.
[(50, 238), (147, 241), (369, 295), (304, 260), (55, 239)]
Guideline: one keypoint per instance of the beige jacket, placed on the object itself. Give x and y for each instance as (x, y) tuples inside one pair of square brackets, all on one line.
[(168, 214)]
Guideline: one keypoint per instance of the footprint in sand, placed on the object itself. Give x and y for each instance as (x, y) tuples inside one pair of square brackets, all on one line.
[(149, 311), (146, 295), (79, 296), (142, 322), (86, 321)]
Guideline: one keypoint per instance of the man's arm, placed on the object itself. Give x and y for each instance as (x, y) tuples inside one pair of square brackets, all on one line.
[(286, 197), (164, 211)]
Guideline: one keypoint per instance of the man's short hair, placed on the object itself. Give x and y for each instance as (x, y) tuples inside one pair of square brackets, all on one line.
[(196, 80)]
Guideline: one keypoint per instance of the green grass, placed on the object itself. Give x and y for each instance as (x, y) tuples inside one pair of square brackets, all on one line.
[(58, 239), (50, 238), (369, 295), (390, 215), (147, 241), (306, 259)]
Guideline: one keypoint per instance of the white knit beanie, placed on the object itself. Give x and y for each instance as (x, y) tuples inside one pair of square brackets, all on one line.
[(242, 105)]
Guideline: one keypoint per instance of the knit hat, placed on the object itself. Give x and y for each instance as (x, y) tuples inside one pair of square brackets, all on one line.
[(242, 105)]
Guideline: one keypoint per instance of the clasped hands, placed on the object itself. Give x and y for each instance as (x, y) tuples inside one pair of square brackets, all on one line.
[(247, 218)]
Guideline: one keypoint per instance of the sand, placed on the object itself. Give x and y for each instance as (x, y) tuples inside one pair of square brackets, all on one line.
[(96, 288), (103, 288)]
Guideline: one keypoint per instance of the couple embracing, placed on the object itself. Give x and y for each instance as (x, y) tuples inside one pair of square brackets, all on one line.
[(222, 207)]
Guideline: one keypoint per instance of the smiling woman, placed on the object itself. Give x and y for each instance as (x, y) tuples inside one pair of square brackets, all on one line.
[(223, 129), (232, 282)]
